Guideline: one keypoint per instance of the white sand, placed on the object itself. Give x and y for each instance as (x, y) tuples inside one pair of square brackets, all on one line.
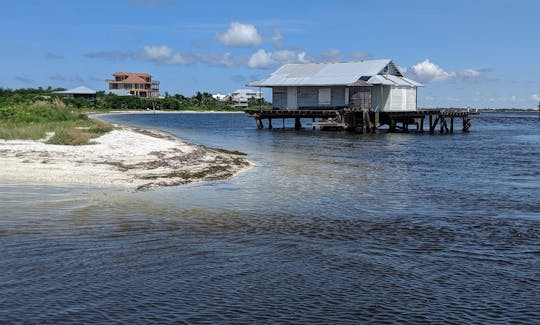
[(124, 157)]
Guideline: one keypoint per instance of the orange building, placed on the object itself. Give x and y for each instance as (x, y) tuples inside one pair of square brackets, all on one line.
[(137, 84)]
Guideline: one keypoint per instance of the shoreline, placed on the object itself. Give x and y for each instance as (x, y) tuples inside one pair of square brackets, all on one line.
[(151, 112), (127, 157)]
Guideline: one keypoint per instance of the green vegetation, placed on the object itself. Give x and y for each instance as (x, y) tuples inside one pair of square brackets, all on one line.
[(201, 101), (33, 120), (30, 113)]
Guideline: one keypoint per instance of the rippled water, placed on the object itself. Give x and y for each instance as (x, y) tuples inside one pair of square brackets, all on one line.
[(329, 227)]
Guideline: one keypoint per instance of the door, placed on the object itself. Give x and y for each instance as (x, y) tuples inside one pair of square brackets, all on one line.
[(292, 98)]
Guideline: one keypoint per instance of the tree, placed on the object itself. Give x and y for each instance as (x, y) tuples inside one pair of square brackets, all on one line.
[(199, 98)]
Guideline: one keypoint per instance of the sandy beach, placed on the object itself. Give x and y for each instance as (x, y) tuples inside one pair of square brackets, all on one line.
[(126, 157)]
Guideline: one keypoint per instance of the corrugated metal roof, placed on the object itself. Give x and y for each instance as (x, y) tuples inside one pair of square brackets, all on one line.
[(331, 74), (318, 74), (391, 80)]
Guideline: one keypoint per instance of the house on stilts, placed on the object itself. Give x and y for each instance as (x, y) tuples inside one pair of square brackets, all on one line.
[(352, 95)]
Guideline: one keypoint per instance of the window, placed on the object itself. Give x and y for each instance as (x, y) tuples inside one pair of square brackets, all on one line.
[(325, 96)]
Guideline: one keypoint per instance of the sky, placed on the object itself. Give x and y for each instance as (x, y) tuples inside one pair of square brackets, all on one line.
[(466, 53)]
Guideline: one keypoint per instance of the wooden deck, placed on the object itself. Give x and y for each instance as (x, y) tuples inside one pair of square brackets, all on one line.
[(363, 120)]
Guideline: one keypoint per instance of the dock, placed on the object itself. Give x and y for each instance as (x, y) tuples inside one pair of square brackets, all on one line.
[(367, 121)]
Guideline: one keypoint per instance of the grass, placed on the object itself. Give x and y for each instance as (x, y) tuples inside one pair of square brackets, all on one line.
[(70, 127)]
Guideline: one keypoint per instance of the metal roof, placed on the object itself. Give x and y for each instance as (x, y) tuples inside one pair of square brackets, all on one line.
[(79, 90), (391, 80), (331, 74)]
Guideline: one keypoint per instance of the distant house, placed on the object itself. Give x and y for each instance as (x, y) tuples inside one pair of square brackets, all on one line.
[(241, 97), (374, 84), (79, 92), (221, 97), (137, 84)]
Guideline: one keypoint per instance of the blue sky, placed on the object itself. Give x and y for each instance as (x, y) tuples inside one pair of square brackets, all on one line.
[(467, 53)]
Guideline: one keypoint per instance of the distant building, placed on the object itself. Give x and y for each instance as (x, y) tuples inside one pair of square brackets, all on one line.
[(137, 84), (221, 97), (376, 85), (241, 97), (79, 92)]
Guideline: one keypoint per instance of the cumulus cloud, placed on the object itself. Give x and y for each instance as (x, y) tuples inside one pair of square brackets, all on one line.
[(240, 35), (264, 60), (426, 71), (535, 97), (163, 54)]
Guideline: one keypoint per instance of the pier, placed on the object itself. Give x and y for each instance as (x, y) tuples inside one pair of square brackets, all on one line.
[(367, 121)]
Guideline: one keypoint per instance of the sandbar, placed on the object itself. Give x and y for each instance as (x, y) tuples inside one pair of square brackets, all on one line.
[(126, 157)]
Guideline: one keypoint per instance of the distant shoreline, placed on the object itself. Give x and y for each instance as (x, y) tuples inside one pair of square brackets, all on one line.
[(151, 112)]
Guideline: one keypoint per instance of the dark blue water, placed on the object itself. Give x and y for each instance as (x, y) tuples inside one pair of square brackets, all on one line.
[(330, 227)]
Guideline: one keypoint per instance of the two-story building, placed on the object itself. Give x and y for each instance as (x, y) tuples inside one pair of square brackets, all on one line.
[(137, 84)]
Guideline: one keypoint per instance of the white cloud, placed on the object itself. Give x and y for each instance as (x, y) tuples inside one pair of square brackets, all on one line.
[(470, 73), (263, 60), (360, 56), (427, 71), (157, 52), (163, 54), (240, 35), (535, 97)]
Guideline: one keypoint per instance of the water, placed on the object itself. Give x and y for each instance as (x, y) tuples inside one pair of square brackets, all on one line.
[(329, 227)]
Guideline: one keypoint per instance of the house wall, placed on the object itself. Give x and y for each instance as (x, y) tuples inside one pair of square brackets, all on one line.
[(279, 97), (307, 97), (391, 98)]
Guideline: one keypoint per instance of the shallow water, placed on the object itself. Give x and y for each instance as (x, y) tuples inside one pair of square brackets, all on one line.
[(329, 227)]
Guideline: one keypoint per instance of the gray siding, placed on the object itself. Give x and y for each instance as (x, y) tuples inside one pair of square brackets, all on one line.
[(279, 97), (338, 96), (308, 97)]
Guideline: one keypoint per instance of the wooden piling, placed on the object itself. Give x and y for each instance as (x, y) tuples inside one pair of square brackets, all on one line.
[(297, 124), (259, 122), (270, 123)]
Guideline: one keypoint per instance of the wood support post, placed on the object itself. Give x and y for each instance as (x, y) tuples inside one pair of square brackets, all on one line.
[(432, 125), (392, 126), (270, 123), (451, 124), (466, 124), (366, 121), (259, 122), (421, 130), (297, 124)]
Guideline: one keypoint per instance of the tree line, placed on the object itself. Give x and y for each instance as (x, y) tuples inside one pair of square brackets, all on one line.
[(199, 101)]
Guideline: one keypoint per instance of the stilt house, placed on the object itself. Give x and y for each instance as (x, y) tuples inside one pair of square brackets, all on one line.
[(376, 85)]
